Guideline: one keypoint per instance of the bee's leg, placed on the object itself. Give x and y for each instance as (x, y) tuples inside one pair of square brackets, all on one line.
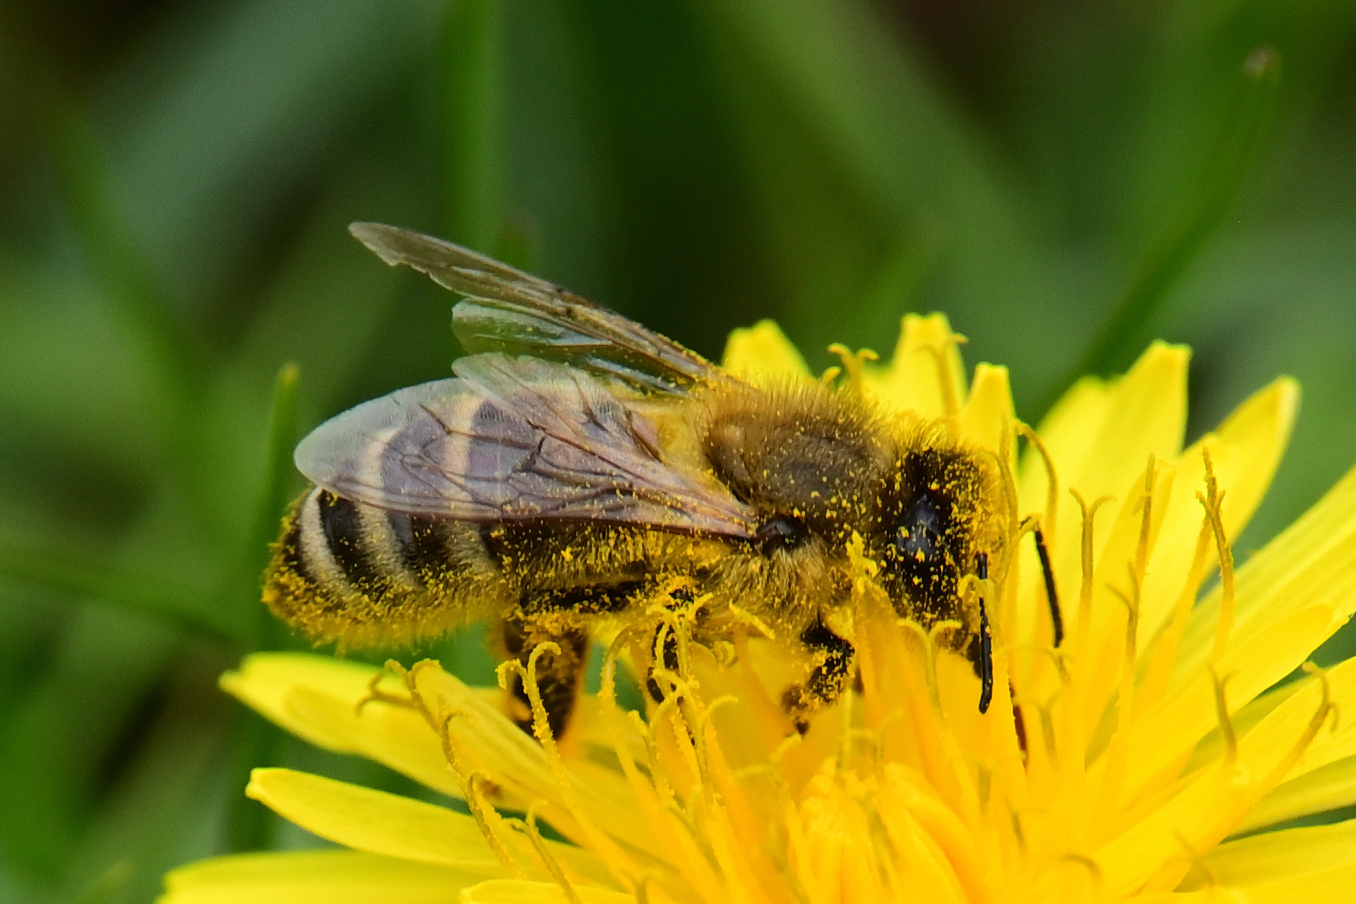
[(827, 680), (668, 657), (559, 616), (559, 674), (1051, 595), (980, 649)]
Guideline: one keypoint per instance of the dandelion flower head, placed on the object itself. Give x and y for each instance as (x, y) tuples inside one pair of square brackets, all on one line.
[(1143, 744)]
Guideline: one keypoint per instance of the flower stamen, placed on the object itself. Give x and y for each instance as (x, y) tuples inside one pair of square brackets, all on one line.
[(946, 381), (552, 865), (1052, 481), (541, 724), (928, 638), (1213, 501), (1164, 655), (1196, 860), (1085, 586), (1118, 748), (607, 688), (1146, 523), (483, 812), (1226, 725), (1073, 738), (541, 729), (1325, 708), (1310, 668), (853, 365), (374, 695)]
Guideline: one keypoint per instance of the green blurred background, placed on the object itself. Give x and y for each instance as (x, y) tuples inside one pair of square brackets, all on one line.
[(1067, 180)]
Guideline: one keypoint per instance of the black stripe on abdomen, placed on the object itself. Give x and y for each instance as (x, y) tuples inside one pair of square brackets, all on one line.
[(342, 525), (422, 544)]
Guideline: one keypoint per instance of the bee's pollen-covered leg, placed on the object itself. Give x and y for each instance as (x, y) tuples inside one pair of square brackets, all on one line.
[(668, 660), (827, 680), (559, 675)]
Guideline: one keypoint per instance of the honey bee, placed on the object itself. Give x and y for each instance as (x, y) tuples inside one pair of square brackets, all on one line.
[(578, 467)]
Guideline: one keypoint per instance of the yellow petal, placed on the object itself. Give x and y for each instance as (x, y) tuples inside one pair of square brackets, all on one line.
[(317, 698), (762, 352), (1213, 802), (925, 373), (264, 682), (395, 736), (1332, 885), (1271, 857), (514, 891), (1149, 854), (1314, 791), (1340, 742), (1292, 596), (1098, 667), (374, 821), (1101, 433), (382, 823), (305, 877), (987, 418)]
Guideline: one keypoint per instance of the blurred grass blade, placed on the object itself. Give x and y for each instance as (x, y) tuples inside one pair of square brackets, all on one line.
[(278, 480), (474, 51), (249, 826), (167, 600), (109, 884), (1244, 129)]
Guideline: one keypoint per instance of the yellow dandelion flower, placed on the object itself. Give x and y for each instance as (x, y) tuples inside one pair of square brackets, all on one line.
[(1145, 756)]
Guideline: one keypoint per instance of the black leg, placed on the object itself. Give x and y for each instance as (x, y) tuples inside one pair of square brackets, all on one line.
[(559, 675), (1050, 595), (827, 680), (669, 657), (679, 598), (559, 615), (985, 640)]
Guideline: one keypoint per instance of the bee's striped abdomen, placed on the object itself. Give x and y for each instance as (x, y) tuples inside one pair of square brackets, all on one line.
[(363, 576)]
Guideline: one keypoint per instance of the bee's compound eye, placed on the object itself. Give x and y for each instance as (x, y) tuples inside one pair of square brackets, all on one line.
[(779, 532), (919, 535)]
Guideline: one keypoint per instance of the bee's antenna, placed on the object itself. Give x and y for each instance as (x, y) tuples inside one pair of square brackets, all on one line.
[(985, 640), (1050, 595)]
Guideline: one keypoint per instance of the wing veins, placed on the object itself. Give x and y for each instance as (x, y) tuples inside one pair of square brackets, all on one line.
[(507, 310)]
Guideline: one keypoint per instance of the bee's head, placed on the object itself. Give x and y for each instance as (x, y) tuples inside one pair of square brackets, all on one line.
[(936, 518)]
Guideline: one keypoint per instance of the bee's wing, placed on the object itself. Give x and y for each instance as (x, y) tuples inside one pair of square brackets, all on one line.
[(513, 312), (515, 439)]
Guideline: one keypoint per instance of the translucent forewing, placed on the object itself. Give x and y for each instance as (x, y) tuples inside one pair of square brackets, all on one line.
[(514, 439)]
